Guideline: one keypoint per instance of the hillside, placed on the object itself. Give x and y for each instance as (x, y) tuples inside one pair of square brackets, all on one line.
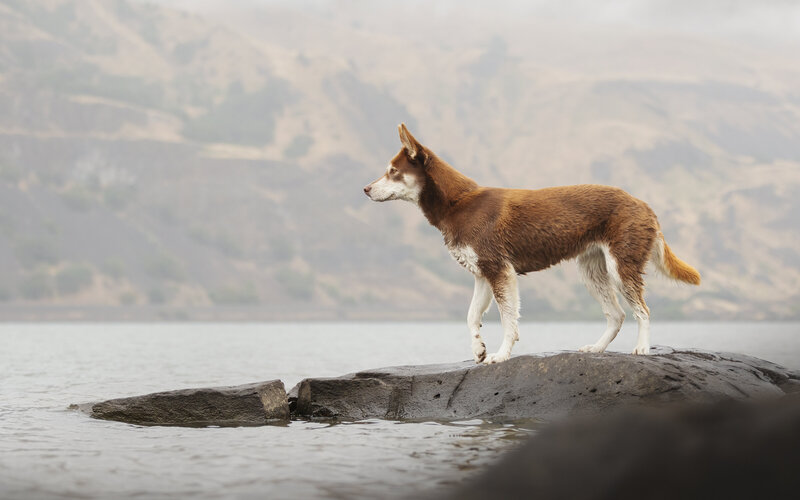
[(156, 163)]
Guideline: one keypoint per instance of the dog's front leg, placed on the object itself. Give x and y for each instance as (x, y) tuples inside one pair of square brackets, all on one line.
[(481, 298), (506, 294)]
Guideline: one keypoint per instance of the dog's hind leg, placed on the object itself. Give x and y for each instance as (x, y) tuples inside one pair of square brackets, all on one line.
[(633, 291), (506, 294), (631, 285), (632, 251), (602, 285), (481, 299)]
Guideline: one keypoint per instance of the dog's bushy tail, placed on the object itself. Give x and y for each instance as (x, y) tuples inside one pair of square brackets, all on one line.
[(669, 264)]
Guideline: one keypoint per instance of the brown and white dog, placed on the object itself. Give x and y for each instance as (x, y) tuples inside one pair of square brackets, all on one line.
[(498, 233)]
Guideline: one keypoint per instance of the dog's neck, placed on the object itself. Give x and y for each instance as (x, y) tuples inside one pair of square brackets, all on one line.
[(444, 187)]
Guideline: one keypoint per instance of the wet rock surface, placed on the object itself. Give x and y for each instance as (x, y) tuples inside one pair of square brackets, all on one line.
[(252, 404), (545, 386)]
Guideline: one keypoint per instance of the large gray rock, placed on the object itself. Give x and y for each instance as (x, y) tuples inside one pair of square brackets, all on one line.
[(251, 404), (729, 450), (543, 387)]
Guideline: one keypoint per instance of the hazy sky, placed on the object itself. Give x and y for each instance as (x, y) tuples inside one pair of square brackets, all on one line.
[(766, 21)]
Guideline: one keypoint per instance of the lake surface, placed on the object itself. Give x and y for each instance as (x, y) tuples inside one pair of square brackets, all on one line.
[(48, 451)]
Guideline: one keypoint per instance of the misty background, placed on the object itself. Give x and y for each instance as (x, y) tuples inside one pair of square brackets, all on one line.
[(205, 160)]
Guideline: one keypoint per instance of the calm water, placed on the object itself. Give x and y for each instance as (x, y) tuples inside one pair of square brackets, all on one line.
[(47, 451)]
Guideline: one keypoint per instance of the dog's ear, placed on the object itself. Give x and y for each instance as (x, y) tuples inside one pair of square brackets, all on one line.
[(411, 145)]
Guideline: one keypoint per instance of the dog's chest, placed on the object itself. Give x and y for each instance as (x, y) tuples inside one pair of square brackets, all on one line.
[(466, 256)]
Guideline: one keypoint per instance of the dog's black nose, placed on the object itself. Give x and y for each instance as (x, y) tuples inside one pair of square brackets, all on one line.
[(367, 189)]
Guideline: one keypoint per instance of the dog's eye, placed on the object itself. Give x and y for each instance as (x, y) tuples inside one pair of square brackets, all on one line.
[(392, 170)]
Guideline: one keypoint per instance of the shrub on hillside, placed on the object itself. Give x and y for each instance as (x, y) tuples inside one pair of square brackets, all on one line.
[(234, 295), (165, 267), (156, 296), (73, 278), (118, 197), (32, 252), (114, 268), (128, 298), (297, 284), (78, 199), (9, 173), (36, 286)]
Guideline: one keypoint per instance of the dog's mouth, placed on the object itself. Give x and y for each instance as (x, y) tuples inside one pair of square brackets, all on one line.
[(389, 197)]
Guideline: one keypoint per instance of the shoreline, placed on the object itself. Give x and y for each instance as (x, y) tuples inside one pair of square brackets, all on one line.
[(31, 313)]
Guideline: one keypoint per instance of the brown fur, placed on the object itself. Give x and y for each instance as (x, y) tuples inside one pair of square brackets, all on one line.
[(535, 229)]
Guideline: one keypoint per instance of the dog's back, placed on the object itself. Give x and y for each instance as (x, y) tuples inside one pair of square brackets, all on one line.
[(535, 229)]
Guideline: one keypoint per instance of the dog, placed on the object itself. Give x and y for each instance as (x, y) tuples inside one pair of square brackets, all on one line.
[(497, 234)]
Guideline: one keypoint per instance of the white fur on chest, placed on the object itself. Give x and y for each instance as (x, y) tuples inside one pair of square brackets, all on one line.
[(466, 256)]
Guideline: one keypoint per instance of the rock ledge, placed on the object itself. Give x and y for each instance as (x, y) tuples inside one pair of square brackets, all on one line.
[(544, 387), (532, 386), (244, 405)]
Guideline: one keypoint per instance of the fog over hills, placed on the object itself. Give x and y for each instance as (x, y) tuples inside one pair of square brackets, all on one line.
[(205, 160)]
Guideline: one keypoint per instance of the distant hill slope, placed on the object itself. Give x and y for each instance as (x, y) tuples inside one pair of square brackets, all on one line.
[(155, 163)]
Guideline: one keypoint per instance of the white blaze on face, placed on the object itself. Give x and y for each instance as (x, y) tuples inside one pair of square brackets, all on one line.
[(386, 188)]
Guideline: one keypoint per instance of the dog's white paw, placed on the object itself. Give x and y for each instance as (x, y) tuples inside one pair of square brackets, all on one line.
[(496, 358), (642, 349), (479, 351), (591, 348)]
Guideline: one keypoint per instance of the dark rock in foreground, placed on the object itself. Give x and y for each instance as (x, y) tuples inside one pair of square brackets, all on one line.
[(544, 387), (726, 450), (252, 404)]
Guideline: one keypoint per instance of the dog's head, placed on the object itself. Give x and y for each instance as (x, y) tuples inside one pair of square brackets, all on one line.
[(405, 176)]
